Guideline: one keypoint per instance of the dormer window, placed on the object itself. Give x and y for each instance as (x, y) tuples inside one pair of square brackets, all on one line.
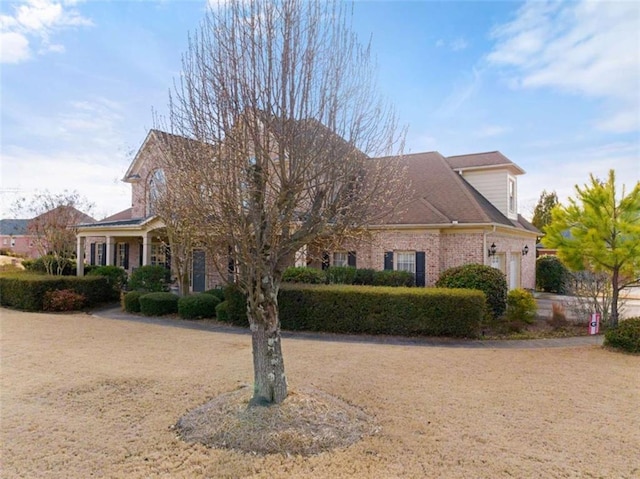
[(156, 186), (512, 196)]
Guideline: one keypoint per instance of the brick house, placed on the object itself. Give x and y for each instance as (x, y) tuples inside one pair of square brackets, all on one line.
[(463, 209)]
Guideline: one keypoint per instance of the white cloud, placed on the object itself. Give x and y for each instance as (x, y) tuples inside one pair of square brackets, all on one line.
[(35, 21), (585, 48), (14, 47), (459, 44)]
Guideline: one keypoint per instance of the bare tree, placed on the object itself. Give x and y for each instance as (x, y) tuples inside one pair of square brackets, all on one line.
[(53, 227), (281, 100)]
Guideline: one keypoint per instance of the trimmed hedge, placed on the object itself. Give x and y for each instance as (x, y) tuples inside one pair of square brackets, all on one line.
[(197, 306), (393, 278), (131, 301), (369, 310), (340, 274), (150, 278), (217, 292), (626, 336), (158, 304), (302, 274), (116, 276), (489, 280), (376, 310), (521, 306), (27, 291)]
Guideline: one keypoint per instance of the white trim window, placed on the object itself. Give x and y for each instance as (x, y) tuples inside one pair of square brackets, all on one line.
[(406, 261), (121, 254), (100, 253), (512, 196), (158, 254), (340, 258)]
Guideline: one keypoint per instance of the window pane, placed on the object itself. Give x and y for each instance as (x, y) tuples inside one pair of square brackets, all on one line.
[(406, 261), (340, 259)]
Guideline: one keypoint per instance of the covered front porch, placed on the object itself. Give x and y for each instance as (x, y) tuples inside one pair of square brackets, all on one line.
[(125, 243)]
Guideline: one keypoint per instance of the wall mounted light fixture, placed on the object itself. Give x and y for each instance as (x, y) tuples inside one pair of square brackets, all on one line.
[(525, 250), (492, 250)]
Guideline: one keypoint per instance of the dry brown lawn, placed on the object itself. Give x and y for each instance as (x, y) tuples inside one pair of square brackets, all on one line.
[(89, 397)]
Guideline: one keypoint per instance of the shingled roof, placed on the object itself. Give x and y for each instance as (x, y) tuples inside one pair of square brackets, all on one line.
[(13, 227), (486, 160), (440, 196)]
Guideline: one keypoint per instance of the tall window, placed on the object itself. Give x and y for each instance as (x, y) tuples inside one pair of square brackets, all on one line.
[(406, 261), (512, 195), (340, 258), (121, 255), (100, 259), (158, 254), (156, 185)]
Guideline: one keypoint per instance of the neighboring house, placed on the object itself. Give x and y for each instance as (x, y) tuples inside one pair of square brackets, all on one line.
[(20, 236), (14, 238), (463, 209)]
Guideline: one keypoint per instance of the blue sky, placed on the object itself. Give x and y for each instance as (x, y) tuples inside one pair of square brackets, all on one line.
[(553, 86)]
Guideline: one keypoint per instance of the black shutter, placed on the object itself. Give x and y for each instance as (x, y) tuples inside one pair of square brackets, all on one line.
[(125, 263), (141, 256), (388, 260), (325, 260), (92, 254), (420, 268), (103, 261), (351, 258), (115, 254)]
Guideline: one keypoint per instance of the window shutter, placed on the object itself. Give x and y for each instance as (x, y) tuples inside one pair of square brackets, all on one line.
[(351, 258), (125, 265), (141, 255), (92, 254), (325, 260), (115, 254), (388, 260), (420, 268), (103, 260)]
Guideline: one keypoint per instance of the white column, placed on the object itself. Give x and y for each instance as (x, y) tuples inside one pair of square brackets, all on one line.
[(146, 249), (109, 252), (80, 240)]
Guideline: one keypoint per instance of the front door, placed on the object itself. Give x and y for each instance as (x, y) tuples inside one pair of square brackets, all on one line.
[(198, 282), (514, 271)]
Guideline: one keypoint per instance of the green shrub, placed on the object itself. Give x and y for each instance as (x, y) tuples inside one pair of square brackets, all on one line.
[(158, 304), (340, 274), (521, 306), (150, 278), (38, 265), (364, 276), (198, 306), (131, 301), (222, 312), (27, 290), (491, 281), (551, 275), (116, 277), (217, 292), (302, 274), (626, 336), (62, 300), (393, 278), (236, 306), (377, 310)]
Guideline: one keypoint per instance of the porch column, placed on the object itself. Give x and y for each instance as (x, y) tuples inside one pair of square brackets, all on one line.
[(146, 249), (109, 252), (80, 240)]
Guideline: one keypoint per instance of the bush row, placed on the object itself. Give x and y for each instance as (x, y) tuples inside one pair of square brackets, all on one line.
[(348, 275), (28, 291), (194, 306), (369, 310)]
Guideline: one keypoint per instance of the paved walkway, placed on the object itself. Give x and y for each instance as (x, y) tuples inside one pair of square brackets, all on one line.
[(115, 312)]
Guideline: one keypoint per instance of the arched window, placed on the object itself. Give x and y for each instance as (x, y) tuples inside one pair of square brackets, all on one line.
[(156, 186)]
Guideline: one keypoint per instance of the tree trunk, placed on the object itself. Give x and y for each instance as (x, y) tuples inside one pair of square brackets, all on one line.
[(614, 298), (270, 382)]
